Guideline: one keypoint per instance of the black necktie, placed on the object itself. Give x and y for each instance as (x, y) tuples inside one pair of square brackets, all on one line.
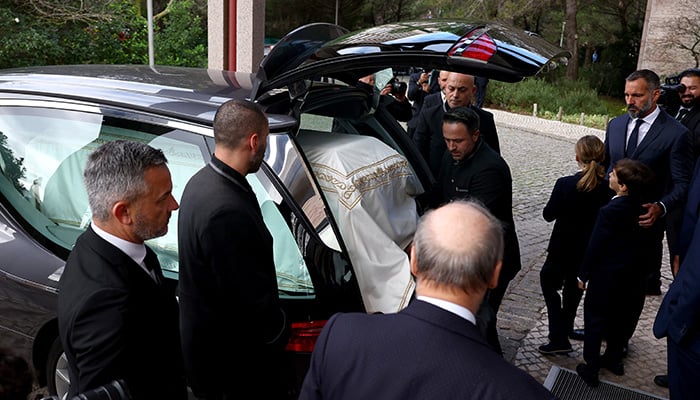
[(632, 142), (681, 113), (152, 264)]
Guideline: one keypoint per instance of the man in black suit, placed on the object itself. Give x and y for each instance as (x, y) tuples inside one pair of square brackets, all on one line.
[(233, 328), (420, 85), (472, 170), (663, 144), (116, 317), (432, 349), (678, 318), (459, 92), (688, 115), (689, 112)]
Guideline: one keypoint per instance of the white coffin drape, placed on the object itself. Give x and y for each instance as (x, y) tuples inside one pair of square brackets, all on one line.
[(370, 189)]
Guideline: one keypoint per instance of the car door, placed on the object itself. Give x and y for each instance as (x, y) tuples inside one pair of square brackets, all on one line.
[(321, 50)]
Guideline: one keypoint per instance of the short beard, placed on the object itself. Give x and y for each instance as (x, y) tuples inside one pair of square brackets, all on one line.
[(692, 103), (642, 111), (145, 232), (256, 161)]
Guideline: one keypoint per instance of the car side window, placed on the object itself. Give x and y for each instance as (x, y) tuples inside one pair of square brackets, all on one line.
[(44, 152)]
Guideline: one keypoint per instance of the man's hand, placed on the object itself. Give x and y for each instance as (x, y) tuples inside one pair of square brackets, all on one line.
[(386, 90), (423, 81), (654, 211), (581, 284)]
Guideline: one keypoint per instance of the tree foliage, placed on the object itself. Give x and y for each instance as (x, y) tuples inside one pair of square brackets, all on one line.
[(40, 32), (182, 36), (46, 32)]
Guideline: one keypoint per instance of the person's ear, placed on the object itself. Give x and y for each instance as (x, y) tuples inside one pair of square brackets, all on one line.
[(120, 211), (493, 283), (475, 135), (413, 262), (253, 140)]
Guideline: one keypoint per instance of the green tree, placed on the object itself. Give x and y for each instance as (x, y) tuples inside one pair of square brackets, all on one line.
[(120, 38), (181, 37), (11, 166)]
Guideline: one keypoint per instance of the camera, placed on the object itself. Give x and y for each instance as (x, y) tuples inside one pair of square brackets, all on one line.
[(398, 87), (669, 99), (115, 390)]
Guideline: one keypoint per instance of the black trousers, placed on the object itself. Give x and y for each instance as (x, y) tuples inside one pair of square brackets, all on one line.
[(561, 310), (611, 311)]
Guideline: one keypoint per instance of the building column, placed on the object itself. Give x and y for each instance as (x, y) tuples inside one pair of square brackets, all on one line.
[(236, 32)]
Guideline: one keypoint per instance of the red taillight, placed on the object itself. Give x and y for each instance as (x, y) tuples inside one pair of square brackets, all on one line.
[(304, 335), (477, 45)]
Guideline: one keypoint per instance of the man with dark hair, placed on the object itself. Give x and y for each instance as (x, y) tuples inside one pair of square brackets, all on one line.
[(650, 135), (116, 317), (472, 170), (232, 325), (420, 85), (459, 92), (432, 349), (689, 112)]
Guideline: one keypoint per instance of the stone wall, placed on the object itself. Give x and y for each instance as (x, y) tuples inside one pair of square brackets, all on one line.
[(657, 50)]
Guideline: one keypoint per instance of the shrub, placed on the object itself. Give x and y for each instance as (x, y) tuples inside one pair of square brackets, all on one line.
[(574, 98)]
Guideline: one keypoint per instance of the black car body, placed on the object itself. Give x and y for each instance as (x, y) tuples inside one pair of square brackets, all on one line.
[(52, 117)]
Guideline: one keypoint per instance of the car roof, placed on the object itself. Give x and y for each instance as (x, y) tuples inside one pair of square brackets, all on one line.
[(192, 94)]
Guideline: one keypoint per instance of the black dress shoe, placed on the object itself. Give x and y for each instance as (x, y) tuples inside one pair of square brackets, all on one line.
[(588, 375), (617, 368), (661, 380), (576, 334), (554, 348)]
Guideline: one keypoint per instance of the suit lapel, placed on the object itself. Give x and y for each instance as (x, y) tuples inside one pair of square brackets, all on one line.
[(654, 132), (117, 259)]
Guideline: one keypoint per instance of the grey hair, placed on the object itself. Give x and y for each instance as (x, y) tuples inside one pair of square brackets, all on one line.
[(115, 171), (235, 120), (468, 267)]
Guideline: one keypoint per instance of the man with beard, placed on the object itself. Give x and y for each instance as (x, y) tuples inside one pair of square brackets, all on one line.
[(117, 318), (689, 112), (459, 92), (229, 305), (648, 134), (472, 170)]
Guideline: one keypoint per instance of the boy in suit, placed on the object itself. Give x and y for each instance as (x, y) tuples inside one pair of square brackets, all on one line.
[(610, 272)]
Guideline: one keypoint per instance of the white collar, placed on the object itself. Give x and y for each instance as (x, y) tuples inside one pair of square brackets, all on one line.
[(135, 251), (451, 307)]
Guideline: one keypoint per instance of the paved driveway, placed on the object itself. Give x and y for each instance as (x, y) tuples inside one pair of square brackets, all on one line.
[(538, 152)]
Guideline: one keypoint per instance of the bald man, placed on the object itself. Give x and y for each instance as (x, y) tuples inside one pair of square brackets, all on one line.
[(459, 91), (432, 348)]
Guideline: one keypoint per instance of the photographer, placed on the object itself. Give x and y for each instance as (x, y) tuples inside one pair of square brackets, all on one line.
[(689, 111), (392, 96)]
